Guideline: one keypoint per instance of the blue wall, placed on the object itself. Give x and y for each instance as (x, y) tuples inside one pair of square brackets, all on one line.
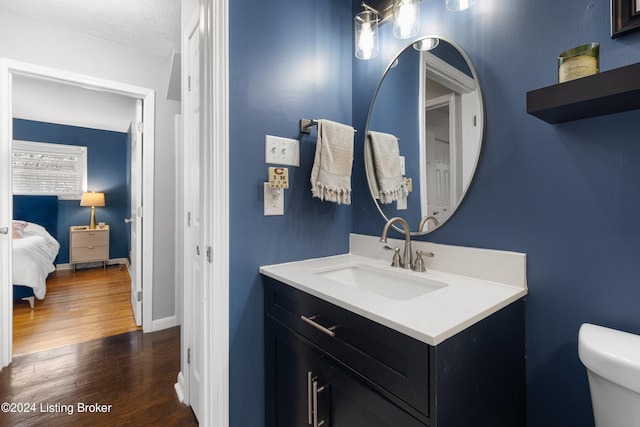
[(107, 172), (289, 60), (567, 195)]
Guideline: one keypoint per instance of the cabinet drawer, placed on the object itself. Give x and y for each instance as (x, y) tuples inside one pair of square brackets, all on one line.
[(89, 238), (396, 363), (89, 254)]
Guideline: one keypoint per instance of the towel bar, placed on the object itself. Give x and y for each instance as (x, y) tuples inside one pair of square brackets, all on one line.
[(306, 124)]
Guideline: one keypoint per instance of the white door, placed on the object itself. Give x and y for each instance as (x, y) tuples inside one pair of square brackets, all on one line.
[(437, 163), (194, 256), (6, 206), (135, 220)]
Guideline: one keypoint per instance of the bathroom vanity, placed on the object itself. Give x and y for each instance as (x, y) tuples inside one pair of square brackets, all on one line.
[(340, 355), (352, 341)]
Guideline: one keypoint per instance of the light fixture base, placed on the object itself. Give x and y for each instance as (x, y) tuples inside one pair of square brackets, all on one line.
[(92, 223)]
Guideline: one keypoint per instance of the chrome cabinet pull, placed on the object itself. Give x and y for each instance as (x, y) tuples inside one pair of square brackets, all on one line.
[(315, 404), (310, 397), (317, 390), (4, 230), (310, 320), (312, 401)]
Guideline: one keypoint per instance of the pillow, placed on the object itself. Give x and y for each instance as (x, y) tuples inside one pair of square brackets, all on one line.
[(17, 228)]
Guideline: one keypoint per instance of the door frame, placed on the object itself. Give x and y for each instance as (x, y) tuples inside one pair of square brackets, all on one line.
[(9, 68), (215, 113)]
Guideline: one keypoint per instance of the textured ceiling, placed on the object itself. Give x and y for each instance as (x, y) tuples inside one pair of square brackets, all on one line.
[(150, 25)]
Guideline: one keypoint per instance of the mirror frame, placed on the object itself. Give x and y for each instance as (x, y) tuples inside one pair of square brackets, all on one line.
[(481, 142)]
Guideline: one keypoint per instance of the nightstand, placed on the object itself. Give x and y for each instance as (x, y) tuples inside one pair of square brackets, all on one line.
[(87, 245)]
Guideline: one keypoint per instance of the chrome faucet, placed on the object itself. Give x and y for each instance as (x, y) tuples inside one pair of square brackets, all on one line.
[(425, 220), (407, 258)]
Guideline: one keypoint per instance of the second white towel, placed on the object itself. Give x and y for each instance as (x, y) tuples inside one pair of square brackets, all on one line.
[(385, 155)]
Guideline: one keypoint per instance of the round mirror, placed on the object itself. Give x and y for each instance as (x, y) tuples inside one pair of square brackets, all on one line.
[(424, 134)]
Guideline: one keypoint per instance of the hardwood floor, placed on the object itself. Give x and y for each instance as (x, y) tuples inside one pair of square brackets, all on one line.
[(129, 376), (79, 306)]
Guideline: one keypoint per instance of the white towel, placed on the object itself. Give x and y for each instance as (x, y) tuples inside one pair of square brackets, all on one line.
[(331, 172), (386, 166)]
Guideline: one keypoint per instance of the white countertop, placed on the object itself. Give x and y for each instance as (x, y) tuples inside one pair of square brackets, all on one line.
[(430, 318)]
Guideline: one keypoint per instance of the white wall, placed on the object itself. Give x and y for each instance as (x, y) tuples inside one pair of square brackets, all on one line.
[(30, 41)]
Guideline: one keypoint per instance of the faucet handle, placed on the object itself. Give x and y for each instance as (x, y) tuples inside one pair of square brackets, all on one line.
[(418, 264), (396, 262)]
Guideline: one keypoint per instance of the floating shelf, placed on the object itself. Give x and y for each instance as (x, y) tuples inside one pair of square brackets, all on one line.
[(609, 92)]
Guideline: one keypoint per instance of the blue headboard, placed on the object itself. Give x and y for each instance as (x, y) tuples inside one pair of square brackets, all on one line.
[(42, 210)]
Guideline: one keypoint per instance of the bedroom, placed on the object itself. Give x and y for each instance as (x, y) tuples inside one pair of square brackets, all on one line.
[(103, 131)]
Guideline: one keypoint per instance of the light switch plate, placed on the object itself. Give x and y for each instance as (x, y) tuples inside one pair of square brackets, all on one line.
[(273, 201), (281, 151)]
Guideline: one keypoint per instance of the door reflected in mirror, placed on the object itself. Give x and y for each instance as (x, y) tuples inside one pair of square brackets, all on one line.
[(428, 108)]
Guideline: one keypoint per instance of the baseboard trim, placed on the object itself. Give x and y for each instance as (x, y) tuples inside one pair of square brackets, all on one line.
[(114, 261), (179, 387), (164, 323)]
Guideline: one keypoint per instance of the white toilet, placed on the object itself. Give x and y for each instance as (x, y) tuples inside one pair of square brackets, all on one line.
[(612, 359)]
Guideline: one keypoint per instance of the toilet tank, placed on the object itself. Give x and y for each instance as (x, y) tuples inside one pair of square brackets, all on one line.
[(612, 359)]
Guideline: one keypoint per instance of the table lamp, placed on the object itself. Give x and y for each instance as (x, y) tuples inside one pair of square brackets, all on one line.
[(92, 199)]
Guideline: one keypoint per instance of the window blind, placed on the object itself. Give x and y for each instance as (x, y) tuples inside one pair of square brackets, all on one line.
[(41, 168)]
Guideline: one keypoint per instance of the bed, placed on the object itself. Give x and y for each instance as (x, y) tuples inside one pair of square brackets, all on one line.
[(34, 245)]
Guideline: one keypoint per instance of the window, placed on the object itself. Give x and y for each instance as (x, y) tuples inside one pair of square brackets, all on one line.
[(45, 169)]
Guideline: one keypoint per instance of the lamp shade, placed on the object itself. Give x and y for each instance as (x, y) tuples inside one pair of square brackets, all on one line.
[(366, 34), (92, 199)]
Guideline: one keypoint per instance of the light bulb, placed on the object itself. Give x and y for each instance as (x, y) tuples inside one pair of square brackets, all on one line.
[(458, 5), (406, 18), (365, 42)]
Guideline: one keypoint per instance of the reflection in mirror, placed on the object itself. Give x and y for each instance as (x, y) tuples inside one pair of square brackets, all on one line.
[(424, 134)]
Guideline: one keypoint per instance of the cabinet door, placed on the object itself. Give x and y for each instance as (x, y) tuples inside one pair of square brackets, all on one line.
[(340, 398), (291, 370), (353, 403)]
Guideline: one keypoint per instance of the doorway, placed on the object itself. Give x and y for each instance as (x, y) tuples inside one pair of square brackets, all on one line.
[(9, 70)]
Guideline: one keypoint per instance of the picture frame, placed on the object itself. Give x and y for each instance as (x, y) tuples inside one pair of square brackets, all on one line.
[(625, 17)]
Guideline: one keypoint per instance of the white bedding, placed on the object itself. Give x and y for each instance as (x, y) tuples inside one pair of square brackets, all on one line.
[(33, 256)]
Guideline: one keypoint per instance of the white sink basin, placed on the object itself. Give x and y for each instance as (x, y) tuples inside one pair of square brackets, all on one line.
[(401, 285)]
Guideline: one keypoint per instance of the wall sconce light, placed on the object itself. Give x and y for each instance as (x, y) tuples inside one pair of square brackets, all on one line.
[(366, 33), (406, 18), (92, 199), (426, 44), (406, 23), (458, 5)]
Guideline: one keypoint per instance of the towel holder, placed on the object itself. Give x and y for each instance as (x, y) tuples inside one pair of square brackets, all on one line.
[(306, 124)]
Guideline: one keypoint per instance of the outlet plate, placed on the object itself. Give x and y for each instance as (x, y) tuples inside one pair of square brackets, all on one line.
[(281, 151), (273, 200)]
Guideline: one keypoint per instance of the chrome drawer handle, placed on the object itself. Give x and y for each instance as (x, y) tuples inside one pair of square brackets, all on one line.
[(328, 331)]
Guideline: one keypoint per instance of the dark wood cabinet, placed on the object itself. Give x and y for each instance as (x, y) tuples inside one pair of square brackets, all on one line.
[(366, 374), (309, 389)]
